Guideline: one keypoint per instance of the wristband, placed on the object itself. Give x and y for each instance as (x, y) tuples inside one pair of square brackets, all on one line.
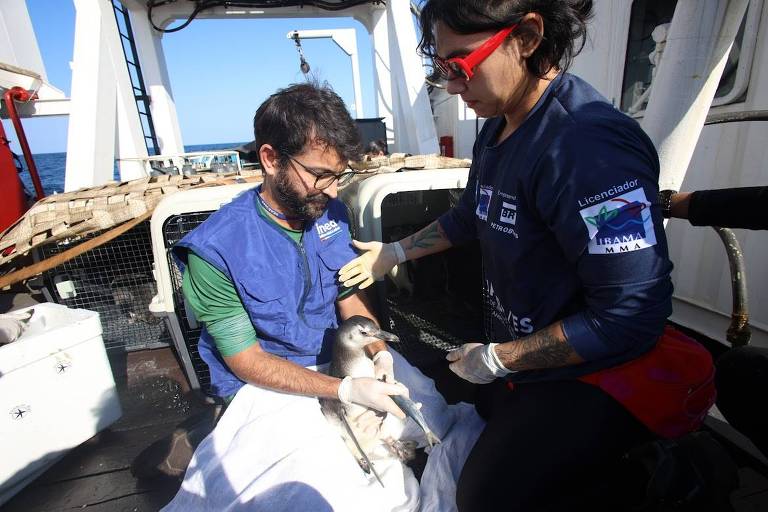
[(345, 389), (399, 252), (665, 201), (492, 361)]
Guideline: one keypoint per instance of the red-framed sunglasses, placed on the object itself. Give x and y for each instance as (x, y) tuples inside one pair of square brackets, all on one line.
[(456, 67)]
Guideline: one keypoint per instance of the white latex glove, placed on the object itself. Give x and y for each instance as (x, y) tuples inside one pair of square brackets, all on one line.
[(10, 329), (12, 325), (383, 366), (373, 264), (477, 363), (371, 393)]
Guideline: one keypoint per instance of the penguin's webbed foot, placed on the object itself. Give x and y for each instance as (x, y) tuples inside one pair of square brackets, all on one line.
[(364, 465), (403, 450)]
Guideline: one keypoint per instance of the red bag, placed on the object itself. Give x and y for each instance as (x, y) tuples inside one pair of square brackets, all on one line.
[(669, 389)]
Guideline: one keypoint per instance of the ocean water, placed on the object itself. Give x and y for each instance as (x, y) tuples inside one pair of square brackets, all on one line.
[(51, 167)]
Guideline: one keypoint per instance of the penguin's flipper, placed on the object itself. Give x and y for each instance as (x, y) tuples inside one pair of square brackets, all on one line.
[(360, 449)]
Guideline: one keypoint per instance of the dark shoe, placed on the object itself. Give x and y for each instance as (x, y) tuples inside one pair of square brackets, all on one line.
[(169, 457)]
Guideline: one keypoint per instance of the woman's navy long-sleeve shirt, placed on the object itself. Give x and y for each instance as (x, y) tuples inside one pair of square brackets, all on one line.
[(570, 229)]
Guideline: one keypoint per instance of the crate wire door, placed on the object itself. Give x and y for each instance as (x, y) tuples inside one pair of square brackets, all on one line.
[(115, 280), (175, 228), (442, 310)]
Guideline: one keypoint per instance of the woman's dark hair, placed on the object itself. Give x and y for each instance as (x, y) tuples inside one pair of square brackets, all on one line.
[(307, 113), (565, 25)]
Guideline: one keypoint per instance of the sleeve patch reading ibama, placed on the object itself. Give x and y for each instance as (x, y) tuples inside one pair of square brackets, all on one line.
[(620, 224)]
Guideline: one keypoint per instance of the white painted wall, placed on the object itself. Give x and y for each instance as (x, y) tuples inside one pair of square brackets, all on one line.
[(601, 62), (728, 155)]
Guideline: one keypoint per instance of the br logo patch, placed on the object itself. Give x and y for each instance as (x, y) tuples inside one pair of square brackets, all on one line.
[(508, 213), (620, 224)]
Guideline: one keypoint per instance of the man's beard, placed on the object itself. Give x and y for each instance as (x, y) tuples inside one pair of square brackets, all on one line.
[(307, 208)]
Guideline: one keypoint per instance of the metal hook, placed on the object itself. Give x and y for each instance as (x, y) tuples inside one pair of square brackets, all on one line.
[(304, 65)]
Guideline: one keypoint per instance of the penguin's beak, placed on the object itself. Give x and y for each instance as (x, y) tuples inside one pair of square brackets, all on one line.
[(384, 335)]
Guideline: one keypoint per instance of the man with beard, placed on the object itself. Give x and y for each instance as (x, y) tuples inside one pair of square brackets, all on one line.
[(261, 272), (261, 276)]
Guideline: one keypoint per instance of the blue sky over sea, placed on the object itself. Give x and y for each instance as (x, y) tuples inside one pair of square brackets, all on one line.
[(220, 71)]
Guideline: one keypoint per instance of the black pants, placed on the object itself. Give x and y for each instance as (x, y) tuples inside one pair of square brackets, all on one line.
[(741, 380), (547, 446)]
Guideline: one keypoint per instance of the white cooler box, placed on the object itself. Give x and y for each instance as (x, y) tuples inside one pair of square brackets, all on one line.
[(56, 391)]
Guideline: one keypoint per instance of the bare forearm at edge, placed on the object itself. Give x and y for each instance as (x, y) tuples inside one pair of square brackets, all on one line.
[(265, 370)]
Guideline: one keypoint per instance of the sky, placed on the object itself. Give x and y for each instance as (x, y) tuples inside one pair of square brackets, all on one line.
[(220, 71)]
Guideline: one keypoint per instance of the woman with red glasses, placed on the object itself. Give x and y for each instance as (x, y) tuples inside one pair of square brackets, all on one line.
[(561, 195)]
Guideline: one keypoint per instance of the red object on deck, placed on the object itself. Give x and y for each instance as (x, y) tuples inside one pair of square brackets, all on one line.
[(13, 203), (669, 389), (446, 145), (19, 94)]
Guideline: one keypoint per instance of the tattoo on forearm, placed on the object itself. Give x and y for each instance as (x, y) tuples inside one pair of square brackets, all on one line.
[(547, 348), (428, 236)]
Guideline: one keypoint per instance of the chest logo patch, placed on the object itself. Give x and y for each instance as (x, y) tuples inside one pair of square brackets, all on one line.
[(620, 224), (483, 202), (508, 213), (328, 230)]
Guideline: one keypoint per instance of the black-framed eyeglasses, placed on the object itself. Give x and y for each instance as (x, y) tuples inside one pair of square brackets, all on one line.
[(324, 179)]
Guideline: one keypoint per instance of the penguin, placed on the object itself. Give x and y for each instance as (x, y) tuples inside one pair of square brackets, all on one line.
[(350, 359)]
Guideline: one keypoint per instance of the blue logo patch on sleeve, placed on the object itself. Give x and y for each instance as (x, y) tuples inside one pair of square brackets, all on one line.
[(620, 224)]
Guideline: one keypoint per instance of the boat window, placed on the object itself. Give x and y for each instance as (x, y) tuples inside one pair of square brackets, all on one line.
[(649, 24)]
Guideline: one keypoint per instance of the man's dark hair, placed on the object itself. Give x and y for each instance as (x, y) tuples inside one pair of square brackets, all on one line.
[(306, 113), (565, 25), (375, 147)]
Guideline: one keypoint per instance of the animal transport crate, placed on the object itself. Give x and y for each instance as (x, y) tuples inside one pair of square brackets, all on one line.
[(116, 280), (435, 303), (173, 218)]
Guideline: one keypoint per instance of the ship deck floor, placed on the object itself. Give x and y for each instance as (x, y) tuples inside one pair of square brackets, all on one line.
[(155, 398)]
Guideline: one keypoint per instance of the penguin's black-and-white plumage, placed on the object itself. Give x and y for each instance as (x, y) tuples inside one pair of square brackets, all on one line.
[(349, 359)]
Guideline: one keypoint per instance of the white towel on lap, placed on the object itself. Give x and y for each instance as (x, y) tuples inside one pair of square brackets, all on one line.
[(438, 482), (273, 451)]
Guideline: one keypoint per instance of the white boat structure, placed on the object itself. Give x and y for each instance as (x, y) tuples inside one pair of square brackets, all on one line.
[(674, 65), (691, 53)]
